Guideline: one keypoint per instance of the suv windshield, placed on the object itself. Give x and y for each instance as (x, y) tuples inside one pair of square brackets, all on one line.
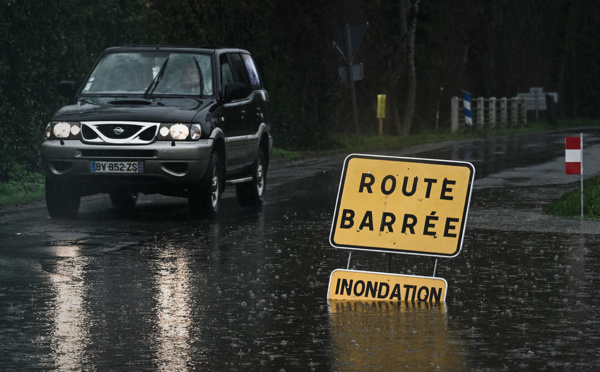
[(152, 73)]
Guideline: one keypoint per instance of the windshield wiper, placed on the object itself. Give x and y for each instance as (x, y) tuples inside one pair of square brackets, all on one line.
[(86, 100), (199, 70), (131, 100), (156, 80)]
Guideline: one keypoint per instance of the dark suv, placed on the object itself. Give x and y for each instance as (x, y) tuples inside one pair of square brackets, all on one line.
[(177, 121)]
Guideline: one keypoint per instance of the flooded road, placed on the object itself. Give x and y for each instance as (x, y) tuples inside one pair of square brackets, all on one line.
[(156, 290)]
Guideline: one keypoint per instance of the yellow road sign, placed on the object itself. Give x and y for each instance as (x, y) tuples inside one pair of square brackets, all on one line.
[(381, 106), (373, 286), (402, 205)]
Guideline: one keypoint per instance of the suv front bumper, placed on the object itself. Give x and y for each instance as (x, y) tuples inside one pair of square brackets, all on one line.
[(166, 164)]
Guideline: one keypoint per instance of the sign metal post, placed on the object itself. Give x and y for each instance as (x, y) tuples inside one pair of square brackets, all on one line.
[(574, 160)]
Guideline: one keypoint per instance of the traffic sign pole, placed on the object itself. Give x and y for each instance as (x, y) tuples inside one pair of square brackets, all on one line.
[(581, 174), (347, 43), (574, 160)]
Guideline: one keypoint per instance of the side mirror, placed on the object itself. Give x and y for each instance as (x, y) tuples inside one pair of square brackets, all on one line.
[(235, 91), (66, 88)]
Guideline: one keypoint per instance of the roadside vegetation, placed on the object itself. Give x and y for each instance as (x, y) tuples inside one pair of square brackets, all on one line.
[(569, 205), (23, 187)]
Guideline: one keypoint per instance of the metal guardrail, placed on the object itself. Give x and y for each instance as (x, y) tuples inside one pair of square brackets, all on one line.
[(490, 112)]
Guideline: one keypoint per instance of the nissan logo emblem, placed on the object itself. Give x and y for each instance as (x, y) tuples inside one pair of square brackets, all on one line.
[(118, 131)]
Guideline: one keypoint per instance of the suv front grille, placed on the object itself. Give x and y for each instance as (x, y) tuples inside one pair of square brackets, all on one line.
[(98, 132), (118, 154)]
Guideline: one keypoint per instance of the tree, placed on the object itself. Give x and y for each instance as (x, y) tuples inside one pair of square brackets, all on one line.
[(409, 10)]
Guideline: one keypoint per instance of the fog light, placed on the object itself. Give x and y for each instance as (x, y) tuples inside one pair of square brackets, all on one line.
[(75, 130), (164, 131)]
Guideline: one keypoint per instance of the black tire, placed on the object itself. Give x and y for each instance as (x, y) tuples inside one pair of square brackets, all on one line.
[(123, 199), (61, 201), (251, 194), (205, 198)]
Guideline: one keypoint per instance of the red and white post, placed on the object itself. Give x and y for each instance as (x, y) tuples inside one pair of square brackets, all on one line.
[(574, 160)]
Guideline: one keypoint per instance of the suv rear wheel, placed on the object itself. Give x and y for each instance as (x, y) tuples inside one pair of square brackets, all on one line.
[(250, 194), (205, 197), (61, 201)]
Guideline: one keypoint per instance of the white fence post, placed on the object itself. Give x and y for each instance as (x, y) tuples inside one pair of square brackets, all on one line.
[(523, 102), (514, 113), (454, 114), (503, 112), (480, 107), (492, 111)]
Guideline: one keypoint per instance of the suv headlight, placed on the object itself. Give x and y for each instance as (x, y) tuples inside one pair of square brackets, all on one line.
[(179, 132), (63, 130)]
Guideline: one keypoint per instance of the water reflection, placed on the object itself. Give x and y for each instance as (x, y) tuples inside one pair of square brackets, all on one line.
[(391, 336), (173, 311), (496, 154), (69, 337)]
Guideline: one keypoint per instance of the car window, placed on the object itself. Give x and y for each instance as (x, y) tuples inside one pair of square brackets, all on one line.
[(233, 70), (226, 74), (239, 69), (158, 73), (255, 82), (188, 74), (122, 73)]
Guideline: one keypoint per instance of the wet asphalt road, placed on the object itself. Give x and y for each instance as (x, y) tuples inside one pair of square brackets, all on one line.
[(156, 290)]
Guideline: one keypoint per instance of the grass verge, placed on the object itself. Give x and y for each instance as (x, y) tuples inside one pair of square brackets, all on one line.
[(569, 205), (24, 188)]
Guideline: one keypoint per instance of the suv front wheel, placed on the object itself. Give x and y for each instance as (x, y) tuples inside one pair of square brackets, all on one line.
[(205, 197), (61, 201)]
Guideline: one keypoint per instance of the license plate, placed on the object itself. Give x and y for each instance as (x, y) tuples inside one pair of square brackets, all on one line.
[(117, 166)]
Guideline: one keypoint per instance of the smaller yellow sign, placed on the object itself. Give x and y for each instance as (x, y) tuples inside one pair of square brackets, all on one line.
[(381, 106), (373, 286)]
